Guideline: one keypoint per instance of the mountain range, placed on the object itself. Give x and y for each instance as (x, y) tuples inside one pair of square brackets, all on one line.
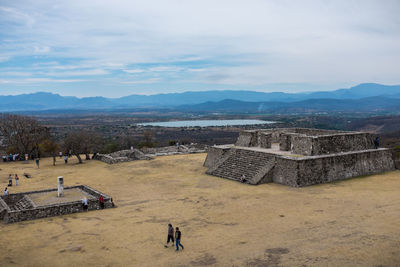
[(363, 97)]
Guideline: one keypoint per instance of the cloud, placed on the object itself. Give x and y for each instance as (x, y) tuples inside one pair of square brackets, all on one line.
[(228, 42), (39, 80), (134, 70), (41, 49), (148, 81)]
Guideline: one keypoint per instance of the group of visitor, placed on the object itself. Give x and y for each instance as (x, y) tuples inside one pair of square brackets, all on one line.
[(10, 182), (10, 179), (177, 239), (85, 204), (13, 157)]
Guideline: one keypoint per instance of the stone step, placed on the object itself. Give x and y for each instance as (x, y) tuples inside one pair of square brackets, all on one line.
[(252, 165), (22, 204)]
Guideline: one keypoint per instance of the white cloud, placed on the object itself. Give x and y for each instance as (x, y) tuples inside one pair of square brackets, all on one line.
[(223, 42), (134, 70), (39, 80), (41, 49), (165, 69), (147, 81)]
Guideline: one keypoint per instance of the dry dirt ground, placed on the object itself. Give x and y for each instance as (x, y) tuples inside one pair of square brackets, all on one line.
[(224, 223)]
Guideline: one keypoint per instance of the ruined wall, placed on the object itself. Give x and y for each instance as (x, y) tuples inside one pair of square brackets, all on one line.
[(285, 171), (324, 144), (214, 154), (264, 139), (276, 132), (285, 141), (342, 143), (302, 145), (247, 139), (323, 169)]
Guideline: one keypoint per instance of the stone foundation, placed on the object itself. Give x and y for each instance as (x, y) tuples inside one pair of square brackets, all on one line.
[(20, 207), (149, 153)]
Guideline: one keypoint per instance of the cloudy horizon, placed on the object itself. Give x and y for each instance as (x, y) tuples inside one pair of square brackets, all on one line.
[(119, 48)]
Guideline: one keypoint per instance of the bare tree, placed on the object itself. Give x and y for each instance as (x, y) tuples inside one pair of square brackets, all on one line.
[(82, 142), (22, 134), (50, 147), (148, 139)]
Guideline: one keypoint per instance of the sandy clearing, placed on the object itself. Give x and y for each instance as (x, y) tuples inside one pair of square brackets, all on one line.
[(224, 223)]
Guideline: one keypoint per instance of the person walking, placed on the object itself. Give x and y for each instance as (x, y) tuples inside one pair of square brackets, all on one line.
[(66, 159), (16, 179), (178, 236), (101, 201), (10, 180), (376, 142), (6, 191), (170, 235), (85, 204)]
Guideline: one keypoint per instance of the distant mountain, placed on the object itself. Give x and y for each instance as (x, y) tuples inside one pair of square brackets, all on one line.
[(49, 101), (376, 104)]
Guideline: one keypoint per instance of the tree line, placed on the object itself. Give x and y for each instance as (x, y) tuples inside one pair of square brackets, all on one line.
[(26, 136)]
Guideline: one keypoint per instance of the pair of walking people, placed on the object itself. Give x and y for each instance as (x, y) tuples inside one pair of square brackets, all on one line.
[(178, 236), (10, 180)]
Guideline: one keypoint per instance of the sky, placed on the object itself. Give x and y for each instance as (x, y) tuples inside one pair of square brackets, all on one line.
[(118, 48)]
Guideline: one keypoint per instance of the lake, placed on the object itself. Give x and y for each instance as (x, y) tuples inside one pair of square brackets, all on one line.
[(205, 123)]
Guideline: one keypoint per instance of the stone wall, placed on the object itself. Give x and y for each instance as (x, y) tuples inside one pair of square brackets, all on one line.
[(276, 132), (285, 141), (323, 169), (337, 143), (285, 171), (214, 154), (247, 139), (11, 216), (302, 144), (122, 156), (264, 139), (149, 153)]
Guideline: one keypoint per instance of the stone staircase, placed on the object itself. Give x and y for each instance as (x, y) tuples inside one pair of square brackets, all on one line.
[(22, 204), (253, 166)]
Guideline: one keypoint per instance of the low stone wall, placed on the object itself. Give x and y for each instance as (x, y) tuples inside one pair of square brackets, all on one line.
[(11, 216), (149, 153), (173, 150), (122, 156)]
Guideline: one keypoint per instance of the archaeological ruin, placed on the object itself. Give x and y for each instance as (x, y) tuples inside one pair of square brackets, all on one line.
[(51, 202), (298, 157), (149, 153)]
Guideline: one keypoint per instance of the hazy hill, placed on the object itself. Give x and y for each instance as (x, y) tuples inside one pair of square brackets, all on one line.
[(45, 101), (376, 104)]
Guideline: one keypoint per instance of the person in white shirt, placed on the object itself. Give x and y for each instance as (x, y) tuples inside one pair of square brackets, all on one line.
[(85, 204), (6, 191)]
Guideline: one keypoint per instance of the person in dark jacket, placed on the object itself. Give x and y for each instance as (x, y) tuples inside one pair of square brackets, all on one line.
[(376, 142), (178, 236), (170, 235)]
